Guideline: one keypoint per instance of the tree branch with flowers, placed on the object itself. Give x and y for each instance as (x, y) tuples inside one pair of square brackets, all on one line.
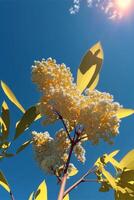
[(86, 115)]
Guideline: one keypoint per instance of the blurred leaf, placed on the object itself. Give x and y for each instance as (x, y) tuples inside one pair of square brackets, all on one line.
[(128, 160), (124, 112), (41, 193), (11, 96), (31, 196), (26, 120), (126, 182), (121, 196), (5, 145), (23, 146), (3, 182), (109, 178), (104, 187), (8, 155), (66, 197), (73, 171), (2, 123), (95, 83), (90, 67), (6, 118)]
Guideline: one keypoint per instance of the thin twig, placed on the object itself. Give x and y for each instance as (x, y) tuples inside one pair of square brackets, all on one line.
[(63, 122), (82, 179), (11, 195), (90, 180)]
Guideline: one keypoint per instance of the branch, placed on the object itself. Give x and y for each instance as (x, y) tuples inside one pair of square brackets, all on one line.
[(63, 122), (11, 195), (82, 179)]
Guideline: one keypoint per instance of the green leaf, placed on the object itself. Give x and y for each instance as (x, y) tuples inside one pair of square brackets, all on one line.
[(26, 120), (6, 119), (31, 196), (128, 160), (41, 193), (23, 146), (90, 67), (11, 96), (3, 182), (125, 112)]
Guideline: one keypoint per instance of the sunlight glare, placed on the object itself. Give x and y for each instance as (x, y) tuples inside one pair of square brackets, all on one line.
[(124, 4)]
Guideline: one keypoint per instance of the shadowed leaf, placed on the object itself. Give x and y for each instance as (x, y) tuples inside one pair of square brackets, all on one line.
[(6, 119), (26, 120), (11, 96), (41, 193), (124, 112), (89, 68), (95, 83), (2, 123), (23, 146), (3, 182)]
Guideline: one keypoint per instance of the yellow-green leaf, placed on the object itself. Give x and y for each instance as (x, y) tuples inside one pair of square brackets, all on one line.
[(6, 119), (66, 197), (90, 67), (11, 96), (109, 178), (3, 182), (31, 196), (115, 163), (124, 112), (41, 193), (128, 160), (26, 120), (114, 153), (73, 171), (23, 146)]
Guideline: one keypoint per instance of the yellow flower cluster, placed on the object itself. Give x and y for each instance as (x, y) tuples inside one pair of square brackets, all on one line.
[(94, 110), (51, 153), (59, 92), (98, 115)]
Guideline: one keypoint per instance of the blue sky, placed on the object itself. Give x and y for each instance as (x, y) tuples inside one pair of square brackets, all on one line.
[(31, 30)]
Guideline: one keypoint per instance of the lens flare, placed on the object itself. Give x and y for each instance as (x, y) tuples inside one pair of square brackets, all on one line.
[(124, 4)]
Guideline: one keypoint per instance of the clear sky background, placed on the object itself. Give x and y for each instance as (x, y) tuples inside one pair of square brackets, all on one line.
[(35, 29)]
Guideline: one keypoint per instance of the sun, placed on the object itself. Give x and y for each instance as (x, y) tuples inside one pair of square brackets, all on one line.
[(124, 4)]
